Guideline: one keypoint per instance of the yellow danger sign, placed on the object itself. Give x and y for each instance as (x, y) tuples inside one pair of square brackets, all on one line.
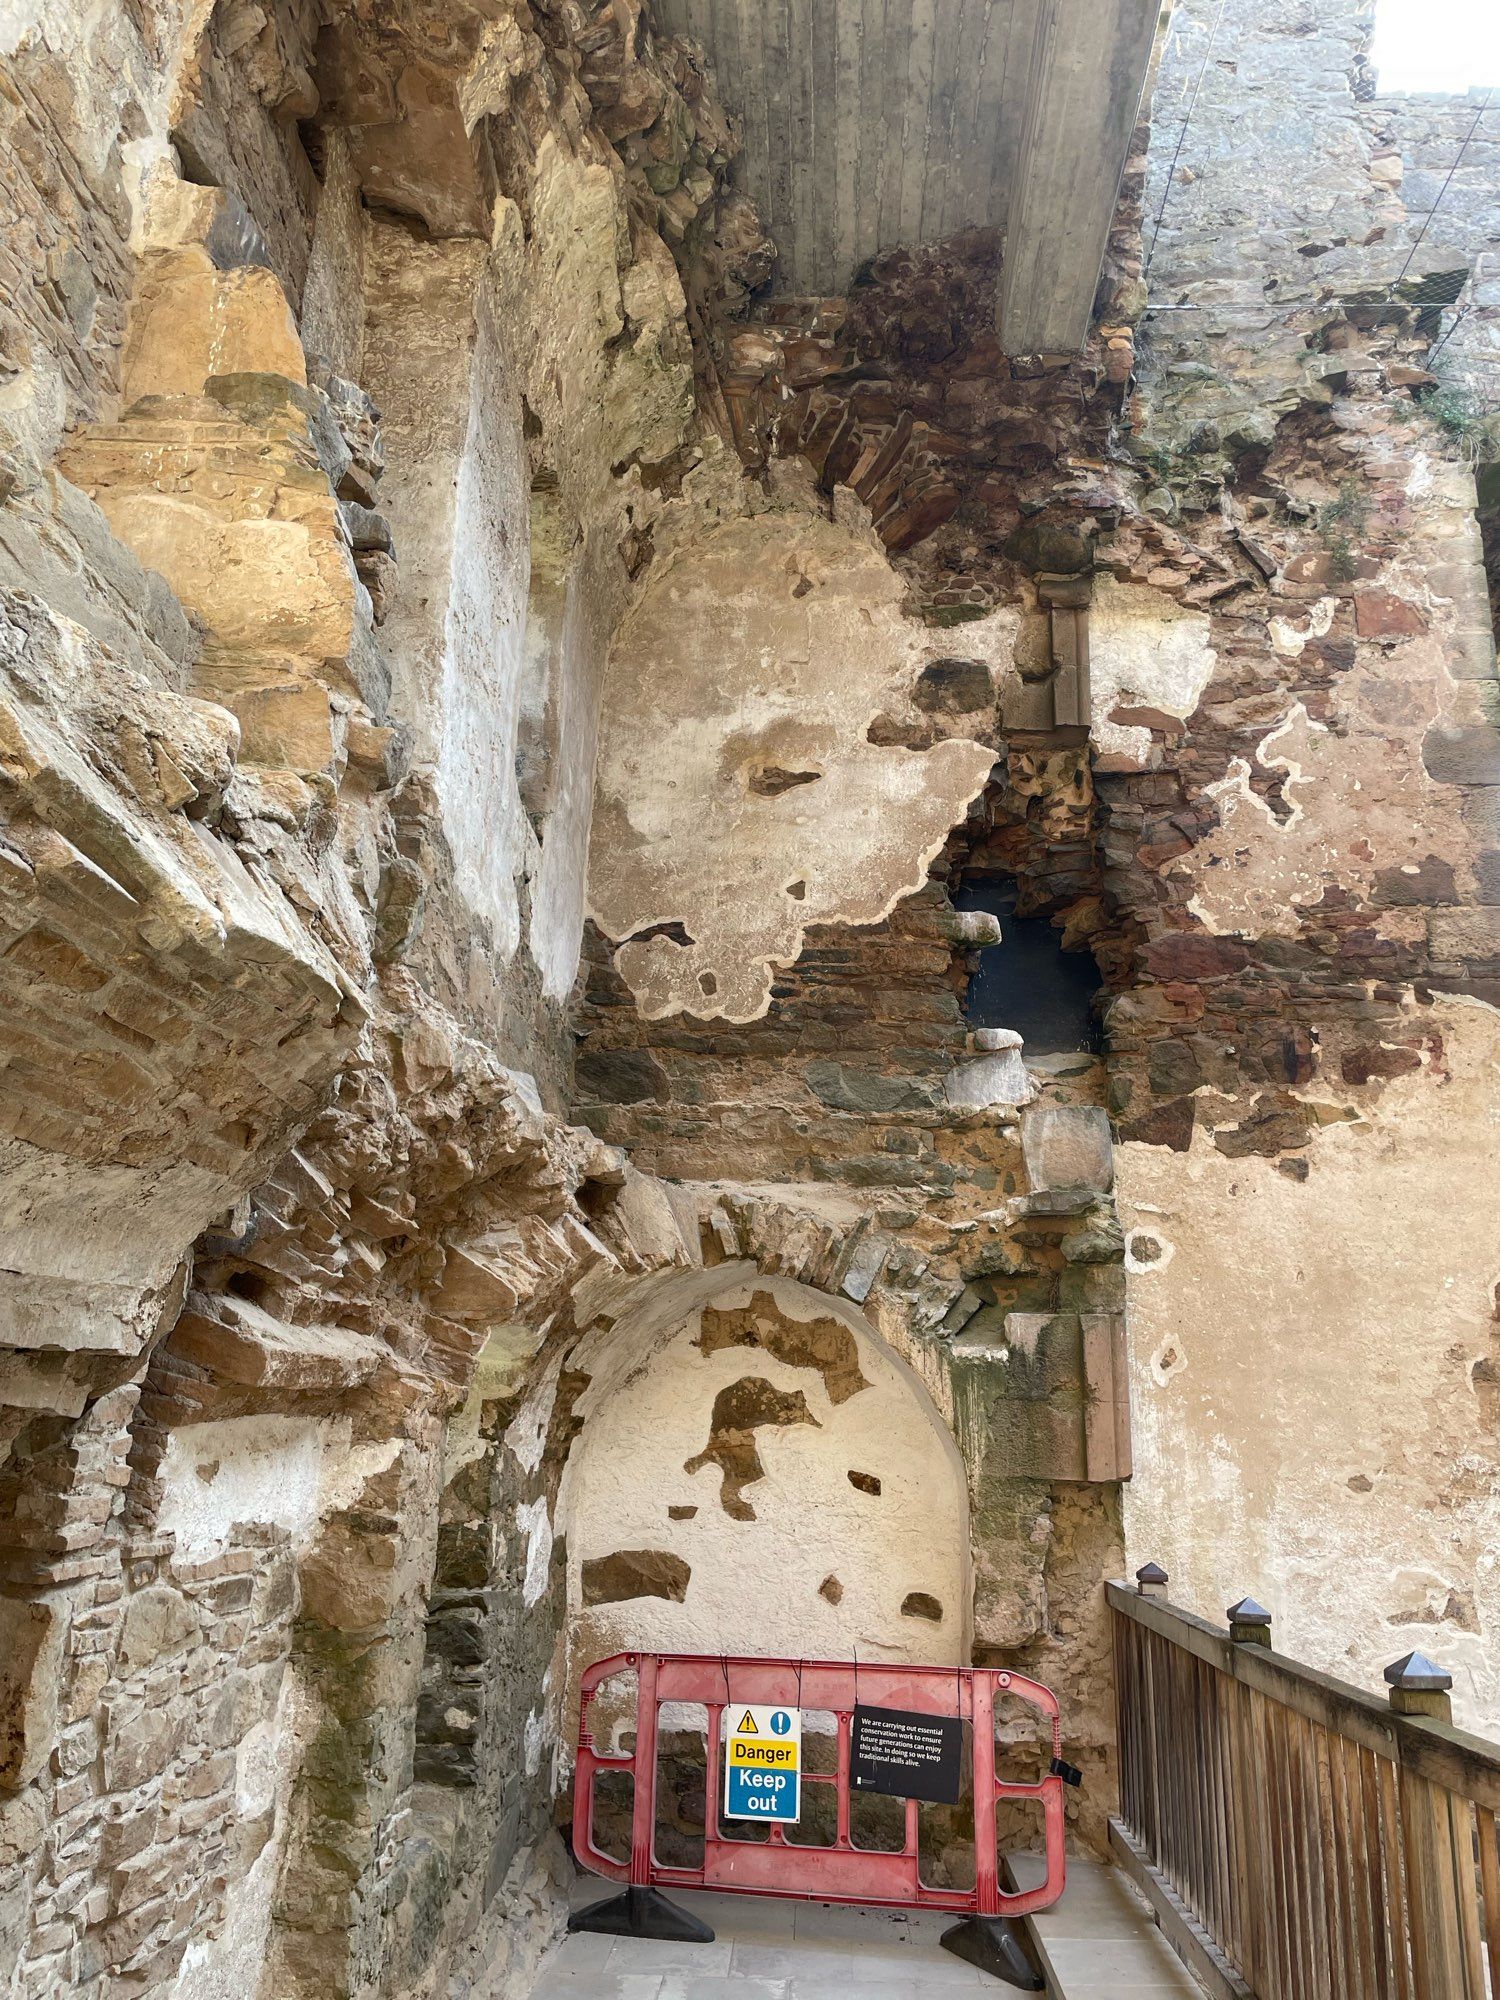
[(763, 1765)]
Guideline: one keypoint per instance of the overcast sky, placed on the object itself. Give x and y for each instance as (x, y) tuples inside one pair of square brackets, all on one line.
[(1438, 44)]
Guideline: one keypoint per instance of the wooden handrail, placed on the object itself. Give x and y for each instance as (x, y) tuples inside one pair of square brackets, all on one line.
[(1299, 1838), (1433, 1750)]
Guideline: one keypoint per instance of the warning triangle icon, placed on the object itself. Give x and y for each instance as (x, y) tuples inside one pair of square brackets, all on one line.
[(747, 1725)]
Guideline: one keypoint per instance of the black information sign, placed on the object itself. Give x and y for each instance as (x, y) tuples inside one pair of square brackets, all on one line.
[(907, 1755)]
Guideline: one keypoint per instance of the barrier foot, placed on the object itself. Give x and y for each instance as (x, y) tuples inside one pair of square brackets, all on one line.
[(643, 1913), (993, 1945)]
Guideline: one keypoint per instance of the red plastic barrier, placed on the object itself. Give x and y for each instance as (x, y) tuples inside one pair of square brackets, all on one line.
[(842, 1873)]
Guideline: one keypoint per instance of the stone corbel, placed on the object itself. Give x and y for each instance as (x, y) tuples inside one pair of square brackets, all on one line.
[(1067, 599)]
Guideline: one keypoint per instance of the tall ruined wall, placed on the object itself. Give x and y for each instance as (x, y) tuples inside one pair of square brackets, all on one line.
[(285, 935), (825, 1057), (470, 661), (1305, 1076)]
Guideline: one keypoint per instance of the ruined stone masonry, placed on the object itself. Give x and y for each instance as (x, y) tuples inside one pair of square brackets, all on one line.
[(689, 956)]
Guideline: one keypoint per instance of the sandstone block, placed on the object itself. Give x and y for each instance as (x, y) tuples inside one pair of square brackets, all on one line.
[(1467, 934), (866, 1091), (139, 1742), (190, 321), (629, 1573), (159, 1622), (244, 1345), (1470, 655), (1381, 614), (991, 1081), (290, 727), (1068, 1146), (125, 1837), (1462, 755), (475, 1284), (31, 1652), (621, 1076)]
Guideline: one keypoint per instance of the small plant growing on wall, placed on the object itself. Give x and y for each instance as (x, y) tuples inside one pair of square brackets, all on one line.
[(1341, 521), (1474, 431)]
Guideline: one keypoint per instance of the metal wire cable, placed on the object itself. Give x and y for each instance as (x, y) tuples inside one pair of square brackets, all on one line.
[(1213, 36), (1461, 313), (1457, 163)]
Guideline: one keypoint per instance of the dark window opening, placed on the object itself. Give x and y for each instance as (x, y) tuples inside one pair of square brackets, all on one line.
[(1027, 981)]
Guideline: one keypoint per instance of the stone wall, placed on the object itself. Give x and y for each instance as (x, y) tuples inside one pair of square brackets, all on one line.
[(274, 923), (1312, 862), (394, 434)]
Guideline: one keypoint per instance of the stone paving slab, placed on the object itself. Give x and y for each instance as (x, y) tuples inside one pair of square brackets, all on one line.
[(1101, 1942)]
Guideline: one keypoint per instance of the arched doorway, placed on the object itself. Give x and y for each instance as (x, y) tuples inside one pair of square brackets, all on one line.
[(757, 1472)]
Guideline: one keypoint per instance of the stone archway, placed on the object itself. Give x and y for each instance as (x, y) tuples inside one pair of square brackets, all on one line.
[(758, 1472)]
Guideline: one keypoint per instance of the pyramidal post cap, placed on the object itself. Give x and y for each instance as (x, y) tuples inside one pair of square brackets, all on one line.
[(1150, 1573), (1415, 1670), (1248, 1612)]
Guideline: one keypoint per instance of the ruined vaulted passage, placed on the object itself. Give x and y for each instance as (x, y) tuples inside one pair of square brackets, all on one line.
[(436, 509)]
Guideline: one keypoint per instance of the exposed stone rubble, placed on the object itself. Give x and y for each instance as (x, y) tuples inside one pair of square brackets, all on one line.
[(253, 997), (687, 967)]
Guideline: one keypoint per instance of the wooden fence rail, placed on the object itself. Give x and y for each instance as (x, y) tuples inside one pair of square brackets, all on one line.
[(1300, 1839)]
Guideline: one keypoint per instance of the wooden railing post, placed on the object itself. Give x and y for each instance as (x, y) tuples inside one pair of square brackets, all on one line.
[(1438, 1831), (1249, 1623)]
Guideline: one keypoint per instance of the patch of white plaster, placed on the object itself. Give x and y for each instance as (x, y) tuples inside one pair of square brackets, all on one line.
[(1419, 479), (739, 796), (532, 1740), (286, 1472), (1271, 873), (263, 1469), (527, 1435), (1334, 1325), (1169, 1359), (1144, 652), (501, 1361), (534, 1524), (1291, 640), (1147, 1251)]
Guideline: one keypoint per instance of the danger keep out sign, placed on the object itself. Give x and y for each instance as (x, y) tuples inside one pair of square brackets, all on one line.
[(763, 1764)]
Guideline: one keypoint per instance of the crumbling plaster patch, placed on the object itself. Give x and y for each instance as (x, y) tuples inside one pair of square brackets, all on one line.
[(285, 1472), (535, 1526), (1357, 803), (739, 796), (1145, 652), (234, 1959), (1319, 1438)]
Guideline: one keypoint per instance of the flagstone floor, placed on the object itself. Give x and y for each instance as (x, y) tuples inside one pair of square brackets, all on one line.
[(765, 1950), (1098, 1944)]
